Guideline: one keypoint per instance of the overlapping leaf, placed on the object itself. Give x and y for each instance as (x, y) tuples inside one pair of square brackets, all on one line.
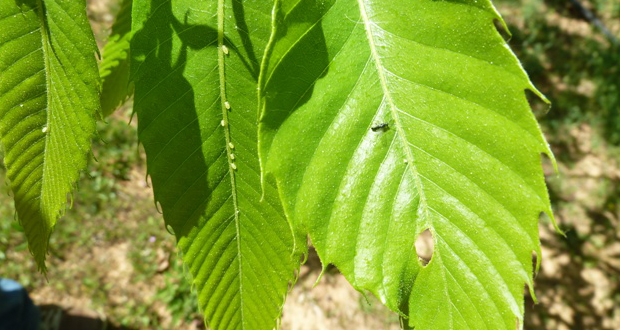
[(114, 67), (381, 119), (49, 95), (195, 70)]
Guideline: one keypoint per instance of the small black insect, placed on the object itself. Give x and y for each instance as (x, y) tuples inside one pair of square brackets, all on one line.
[(380, 127)]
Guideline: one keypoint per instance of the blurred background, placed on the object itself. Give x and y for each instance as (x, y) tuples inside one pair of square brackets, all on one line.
[(112, 260)]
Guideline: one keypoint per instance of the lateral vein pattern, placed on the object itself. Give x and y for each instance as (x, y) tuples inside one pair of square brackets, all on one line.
[(49, 97), (195, 73), (412, 117)]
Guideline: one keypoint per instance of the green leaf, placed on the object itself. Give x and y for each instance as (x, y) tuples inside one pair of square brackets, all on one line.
[(190, 64), (116, 87), (381, 119), (49, 95)]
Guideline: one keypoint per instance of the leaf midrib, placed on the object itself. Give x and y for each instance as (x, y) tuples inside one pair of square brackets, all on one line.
[(231, 169), (393, 110), (401, 134), (46, 51)]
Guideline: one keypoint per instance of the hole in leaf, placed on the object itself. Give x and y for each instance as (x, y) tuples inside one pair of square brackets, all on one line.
[(502, 30), (424, 246)]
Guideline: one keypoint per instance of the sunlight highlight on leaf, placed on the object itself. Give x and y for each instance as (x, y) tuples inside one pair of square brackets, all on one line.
[(402, 118)]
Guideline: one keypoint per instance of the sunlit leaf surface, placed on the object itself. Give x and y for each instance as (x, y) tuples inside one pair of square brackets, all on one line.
[(381, 119), (49, 96)]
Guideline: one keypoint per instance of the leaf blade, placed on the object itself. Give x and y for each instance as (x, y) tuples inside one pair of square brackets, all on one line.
[(114, 67), (202, 156), (407, 105), (47, 118)]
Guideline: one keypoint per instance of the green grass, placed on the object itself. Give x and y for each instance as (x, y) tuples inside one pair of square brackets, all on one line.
[(113, 206)]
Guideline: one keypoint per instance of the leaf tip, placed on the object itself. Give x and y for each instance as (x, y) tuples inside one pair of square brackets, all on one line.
[(502, 29), (318, 279), (500, 24)]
